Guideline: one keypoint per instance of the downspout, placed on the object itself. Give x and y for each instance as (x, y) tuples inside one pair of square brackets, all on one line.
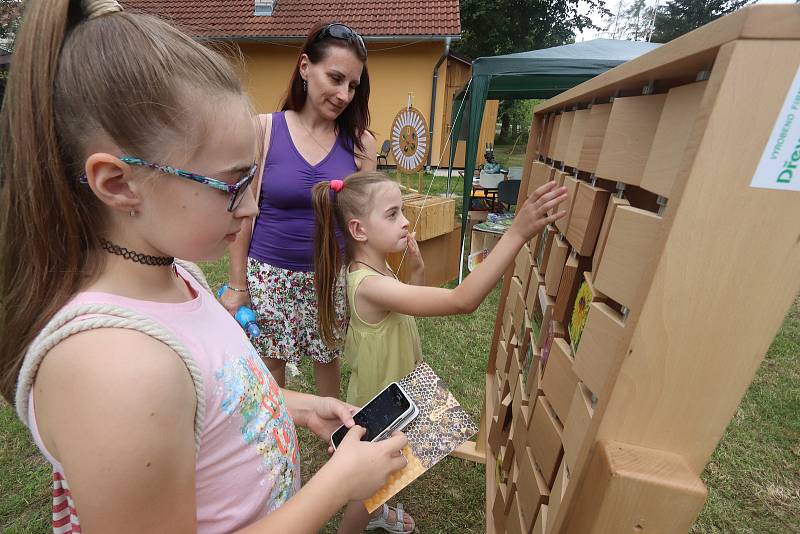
[(434, 83)]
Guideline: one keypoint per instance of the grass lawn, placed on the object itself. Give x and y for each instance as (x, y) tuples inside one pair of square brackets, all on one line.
[(753, 476)]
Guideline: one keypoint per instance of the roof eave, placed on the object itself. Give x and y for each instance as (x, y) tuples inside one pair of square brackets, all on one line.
[(302, 38)]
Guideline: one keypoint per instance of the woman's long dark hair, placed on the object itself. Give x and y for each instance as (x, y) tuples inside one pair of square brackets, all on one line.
[(354, 120)]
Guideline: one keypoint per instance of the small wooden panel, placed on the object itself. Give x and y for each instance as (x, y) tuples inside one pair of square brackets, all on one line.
[(634, 489), (547, 131), (559, 380), (602, 342), (672, 137), (559, 488), (551, 145), (507, 461), (629, 137), (520, 327), (522, 268), (526, 338), (504, 408), (540, 526), (533, 386), (608, 219), (496, 434), (499, 507), (555, 264), (542, 314), (551, 331), (576, 426), (536, 281), (513, 370), (571, 183), (520, 422), (541, 173), (593, 140), (630, 251), (430, 217), (516, 517), (560, 150), (559, 177), (546, 244), (571, 279), (531, 487), (502, 362), (576, 136), (544, 439), (586, 217)]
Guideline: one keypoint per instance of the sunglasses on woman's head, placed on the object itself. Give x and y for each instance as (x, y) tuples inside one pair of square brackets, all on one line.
[(343, 33), (234, 190)]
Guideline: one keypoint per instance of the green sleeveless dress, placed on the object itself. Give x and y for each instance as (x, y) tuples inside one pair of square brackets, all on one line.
[(379, 353)]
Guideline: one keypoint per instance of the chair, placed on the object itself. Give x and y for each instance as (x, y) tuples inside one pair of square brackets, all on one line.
[(508, 191), (384, 153)]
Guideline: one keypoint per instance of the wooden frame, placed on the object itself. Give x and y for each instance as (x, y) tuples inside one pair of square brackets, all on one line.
[(682, 277)]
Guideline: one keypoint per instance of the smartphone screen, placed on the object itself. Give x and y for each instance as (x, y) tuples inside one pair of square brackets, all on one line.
[(377, 414)]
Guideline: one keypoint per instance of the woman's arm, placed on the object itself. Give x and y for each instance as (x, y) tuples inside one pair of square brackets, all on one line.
[(239, 249), (380, 293)]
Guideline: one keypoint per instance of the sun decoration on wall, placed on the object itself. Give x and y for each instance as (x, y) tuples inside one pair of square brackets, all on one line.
[(409, 140)]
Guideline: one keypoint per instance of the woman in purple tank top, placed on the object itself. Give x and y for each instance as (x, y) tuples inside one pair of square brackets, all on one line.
[(320, 134)]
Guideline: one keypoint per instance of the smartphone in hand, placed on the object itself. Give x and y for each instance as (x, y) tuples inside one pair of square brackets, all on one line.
[(391, 409)]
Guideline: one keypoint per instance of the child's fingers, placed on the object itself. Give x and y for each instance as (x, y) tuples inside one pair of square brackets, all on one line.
[(394, 443), (542, 189), (354, 434), (398, 462), (344, 414), (550, 195), (550, 204), (554, 217)]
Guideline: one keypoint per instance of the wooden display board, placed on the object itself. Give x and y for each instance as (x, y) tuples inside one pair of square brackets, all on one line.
[(618, 362)]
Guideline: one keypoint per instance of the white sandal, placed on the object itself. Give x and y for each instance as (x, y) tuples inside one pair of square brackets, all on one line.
[(382, 521)]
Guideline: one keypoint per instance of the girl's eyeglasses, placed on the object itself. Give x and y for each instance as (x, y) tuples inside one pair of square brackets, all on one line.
[(234, 190), (343, 33)]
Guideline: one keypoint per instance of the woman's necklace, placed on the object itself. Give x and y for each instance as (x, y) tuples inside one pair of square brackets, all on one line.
[(376, 270), (311, 135)]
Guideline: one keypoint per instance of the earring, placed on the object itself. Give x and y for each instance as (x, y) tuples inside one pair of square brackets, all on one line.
[(305, 86), (132, 213)]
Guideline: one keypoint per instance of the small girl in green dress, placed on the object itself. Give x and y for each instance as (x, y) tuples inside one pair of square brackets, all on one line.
[(382, 344)]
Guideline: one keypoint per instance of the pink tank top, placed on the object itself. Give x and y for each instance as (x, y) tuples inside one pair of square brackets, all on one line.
[(247, 463)]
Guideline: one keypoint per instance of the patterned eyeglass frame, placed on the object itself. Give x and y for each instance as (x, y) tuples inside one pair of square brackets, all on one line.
[(231, 189)]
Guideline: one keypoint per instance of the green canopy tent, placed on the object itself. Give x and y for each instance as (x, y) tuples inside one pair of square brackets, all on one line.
[(535, 74)]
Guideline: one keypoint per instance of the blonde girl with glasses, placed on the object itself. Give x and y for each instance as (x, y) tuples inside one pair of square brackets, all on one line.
[(125, 144)]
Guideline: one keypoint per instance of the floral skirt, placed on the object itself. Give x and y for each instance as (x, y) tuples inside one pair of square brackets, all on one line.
[(286, 305)]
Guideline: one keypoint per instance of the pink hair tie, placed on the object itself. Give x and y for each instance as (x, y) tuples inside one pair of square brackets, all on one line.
[(337, 185)]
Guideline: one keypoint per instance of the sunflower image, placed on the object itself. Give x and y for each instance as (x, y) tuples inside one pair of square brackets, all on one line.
[(580, 312)]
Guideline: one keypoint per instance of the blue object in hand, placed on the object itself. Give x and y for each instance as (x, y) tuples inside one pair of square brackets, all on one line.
[(244, 316)]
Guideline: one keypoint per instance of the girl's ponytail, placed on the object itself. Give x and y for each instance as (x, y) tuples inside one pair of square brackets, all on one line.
[(45, 229), (82, 70), (327, 264)]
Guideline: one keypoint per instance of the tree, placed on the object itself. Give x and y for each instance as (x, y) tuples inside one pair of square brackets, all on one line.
[(10, 19), (677, 17), (492, 27), (633, 21)]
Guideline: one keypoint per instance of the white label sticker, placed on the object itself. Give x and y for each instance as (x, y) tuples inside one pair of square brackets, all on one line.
[(779, 167)]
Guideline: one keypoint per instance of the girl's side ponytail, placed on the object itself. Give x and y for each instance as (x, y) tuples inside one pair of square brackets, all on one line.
[(327, 264), (83, 70), (46, 229)]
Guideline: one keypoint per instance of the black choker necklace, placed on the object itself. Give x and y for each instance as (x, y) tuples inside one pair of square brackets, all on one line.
[(135, 256)]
